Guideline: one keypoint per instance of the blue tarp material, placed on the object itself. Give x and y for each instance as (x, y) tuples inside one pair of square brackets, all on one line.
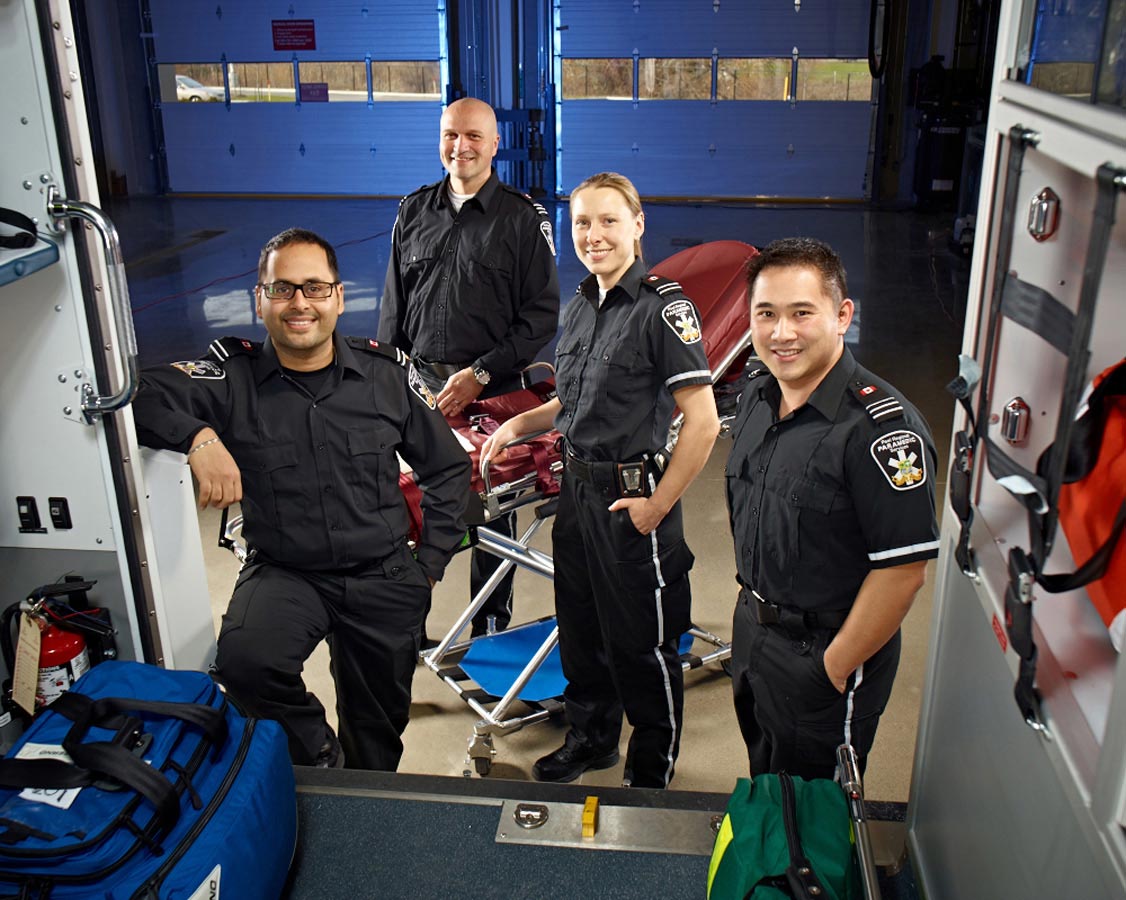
[(495, 661)]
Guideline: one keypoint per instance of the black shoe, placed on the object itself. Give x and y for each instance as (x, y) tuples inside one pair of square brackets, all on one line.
[(330, 756), (571, 760)]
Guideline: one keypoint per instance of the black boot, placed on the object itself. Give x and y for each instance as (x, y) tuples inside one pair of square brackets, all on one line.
[(572, 759)]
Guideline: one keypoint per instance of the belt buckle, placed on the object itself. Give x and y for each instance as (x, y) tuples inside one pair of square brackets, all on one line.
[(631, 479)]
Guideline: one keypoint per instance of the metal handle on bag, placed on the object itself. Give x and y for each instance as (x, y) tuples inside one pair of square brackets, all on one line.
[(93, 403), (853, 788)]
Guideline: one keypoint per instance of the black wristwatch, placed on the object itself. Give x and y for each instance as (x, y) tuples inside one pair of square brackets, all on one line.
[(482, 375)]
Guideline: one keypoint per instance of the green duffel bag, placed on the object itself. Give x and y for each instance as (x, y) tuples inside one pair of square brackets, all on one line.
[(785, 837)]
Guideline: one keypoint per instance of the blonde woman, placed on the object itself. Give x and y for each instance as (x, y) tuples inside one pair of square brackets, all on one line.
[(630, 351)]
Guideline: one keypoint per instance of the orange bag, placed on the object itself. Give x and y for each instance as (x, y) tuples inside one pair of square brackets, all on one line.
[(1092, 503)]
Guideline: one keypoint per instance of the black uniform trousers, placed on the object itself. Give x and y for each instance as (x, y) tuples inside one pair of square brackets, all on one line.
[(372, 618), (482, 564), (622, 600), (792, 717)]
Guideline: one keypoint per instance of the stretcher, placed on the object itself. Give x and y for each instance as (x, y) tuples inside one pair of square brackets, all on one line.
[(513, 679)]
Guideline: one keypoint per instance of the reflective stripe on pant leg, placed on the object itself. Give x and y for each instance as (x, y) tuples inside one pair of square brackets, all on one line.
[(858, 678), (672, 712), (658, 596)]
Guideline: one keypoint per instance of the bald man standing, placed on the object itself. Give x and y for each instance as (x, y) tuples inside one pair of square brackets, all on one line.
[(472, 292)]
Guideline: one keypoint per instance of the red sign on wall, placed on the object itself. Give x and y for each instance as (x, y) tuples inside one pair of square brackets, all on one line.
[(294, 34), (999, 631)]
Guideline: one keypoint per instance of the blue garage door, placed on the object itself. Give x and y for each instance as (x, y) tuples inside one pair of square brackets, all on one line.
[(715, 98), (257, 99)]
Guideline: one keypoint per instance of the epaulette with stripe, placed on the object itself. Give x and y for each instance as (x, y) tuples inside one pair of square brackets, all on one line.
[(538, 207), (225, 347), (368, 345), (416, 191), (662, 285), (878, 403)]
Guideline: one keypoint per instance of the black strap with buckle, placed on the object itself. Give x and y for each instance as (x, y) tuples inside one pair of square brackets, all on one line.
[(791, 618)]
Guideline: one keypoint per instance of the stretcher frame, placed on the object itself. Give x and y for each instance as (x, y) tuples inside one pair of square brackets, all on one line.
[(497, 715)]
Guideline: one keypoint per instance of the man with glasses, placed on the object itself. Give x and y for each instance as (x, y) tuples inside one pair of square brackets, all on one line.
[(472, 292), (306, 430)]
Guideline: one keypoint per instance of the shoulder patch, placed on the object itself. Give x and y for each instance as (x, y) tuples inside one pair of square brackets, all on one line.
[(680, 317), (418, 387), (389, 351), (902, 457), (877, 402), (201, 368), (545, 230)]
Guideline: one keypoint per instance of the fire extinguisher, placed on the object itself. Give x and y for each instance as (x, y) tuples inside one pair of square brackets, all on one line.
[(63, 659), (73, 636)]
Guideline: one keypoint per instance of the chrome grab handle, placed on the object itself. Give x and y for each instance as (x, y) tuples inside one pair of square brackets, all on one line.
[(93, 403)]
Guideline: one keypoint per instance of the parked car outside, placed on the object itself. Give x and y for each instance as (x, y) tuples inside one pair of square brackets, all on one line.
[(192, 91)]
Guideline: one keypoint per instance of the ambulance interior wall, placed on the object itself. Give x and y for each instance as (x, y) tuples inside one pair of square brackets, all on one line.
[(46, 448), (1071, 631), (991, 814)]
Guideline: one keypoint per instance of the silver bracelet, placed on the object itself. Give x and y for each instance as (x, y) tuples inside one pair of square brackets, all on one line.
[(206, 443)]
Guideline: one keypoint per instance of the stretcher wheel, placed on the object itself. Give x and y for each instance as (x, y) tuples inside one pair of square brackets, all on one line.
[(725, 664), (483, 765)]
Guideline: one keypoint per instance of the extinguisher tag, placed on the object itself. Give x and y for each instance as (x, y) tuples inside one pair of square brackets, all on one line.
[(31, 750), (26, 676)]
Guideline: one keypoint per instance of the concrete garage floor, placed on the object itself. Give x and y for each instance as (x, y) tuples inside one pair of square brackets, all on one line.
[(191, 265), (712, 753)]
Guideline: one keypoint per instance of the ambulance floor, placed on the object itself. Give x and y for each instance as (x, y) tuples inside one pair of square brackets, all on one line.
[(191, 266), (368, 834)]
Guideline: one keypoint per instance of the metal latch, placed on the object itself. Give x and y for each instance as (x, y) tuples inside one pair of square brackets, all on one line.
[(1044, 215), (530, 815), (1015, 418)]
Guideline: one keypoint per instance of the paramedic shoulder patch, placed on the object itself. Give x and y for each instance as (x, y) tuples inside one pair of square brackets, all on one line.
[(545, 230), (201, 368), (680, 316), (901, 456), (418, 386)]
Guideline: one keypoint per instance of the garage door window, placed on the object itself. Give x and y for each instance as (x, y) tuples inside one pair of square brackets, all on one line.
[(597, 79)]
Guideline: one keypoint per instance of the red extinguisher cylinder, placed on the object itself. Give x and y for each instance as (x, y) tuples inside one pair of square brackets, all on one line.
[(63, 659)]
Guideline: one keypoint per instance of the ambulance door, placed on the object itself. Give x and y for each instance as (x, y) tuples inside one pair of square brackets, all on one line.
[(79, 498)]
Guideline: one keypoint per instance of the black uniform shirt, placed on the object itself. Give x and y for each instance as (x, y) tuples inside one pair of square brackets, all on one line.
[(319, 472), (477, 286), (841, 486), (617, 365)]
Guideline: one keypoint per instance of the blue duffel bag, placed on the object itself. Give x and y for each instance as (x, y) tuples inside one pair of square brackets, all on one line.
[(146, 783)]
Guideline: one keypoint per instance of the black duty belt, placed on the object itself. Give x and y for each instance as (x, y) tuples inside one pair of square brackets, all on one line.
[(790, 617), (618, 479), (441, 370)]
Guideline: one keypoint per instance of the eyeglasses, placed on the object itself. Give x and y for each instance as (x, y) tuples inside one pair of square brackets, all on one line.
[(312, 290)]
